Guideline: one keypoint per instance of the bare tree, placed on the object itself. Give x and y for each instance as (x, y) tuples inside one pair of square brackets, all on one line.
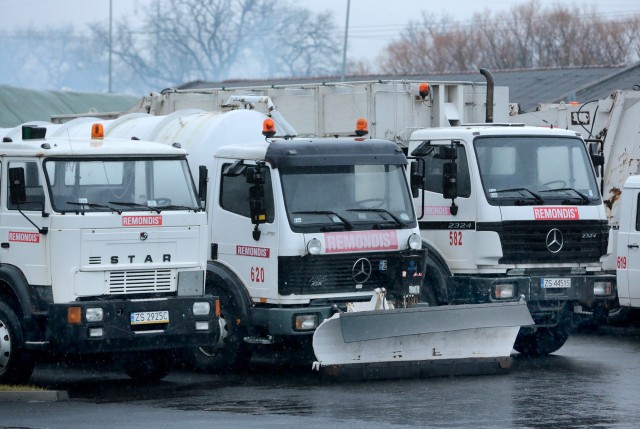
[(524, 37), (186, 40), (51, 58)]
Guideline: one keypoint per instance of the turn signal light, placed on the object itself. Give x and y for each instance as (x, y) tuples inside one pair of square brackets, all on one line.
[(74, 315)]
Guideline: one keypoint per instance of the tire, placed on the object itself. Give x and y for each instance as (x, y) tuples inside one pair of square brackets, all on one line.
[(235, 354), (143, 366), (16, 363), (544, 340), (434, 289)]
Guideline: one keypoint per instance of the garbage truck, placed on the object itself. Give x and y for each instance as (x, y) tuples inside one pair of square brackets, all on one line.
[(315, 247), (508, 210), (610, 126), (94, 261)]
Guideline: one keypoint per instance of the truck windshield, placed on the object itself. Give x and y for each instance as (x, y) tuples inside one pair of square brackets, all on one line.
[(536, 170), (329, 198), (96, 185)]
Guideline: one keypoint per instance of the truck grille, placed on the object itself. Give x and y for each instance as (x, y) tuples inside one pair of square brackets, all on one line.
[(140, 281), (526, 241), (331, 273)]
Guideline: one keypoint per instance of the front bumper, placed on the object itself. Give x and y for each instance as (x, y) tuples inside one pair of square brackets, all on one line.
[(543, 302), (118, 333)]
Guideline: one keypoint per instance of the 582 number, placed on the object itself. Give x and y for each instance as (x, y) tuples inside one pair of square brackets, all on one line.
[(257, 274), (455, 238)]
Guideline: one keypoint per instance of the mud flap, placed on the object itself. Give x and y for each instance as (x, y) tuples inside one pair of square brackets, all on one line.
[(421, 334)]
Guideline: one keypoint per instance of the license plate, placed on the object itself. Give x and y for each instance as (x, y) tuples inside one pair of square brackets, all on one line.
[(551, 282), (147, 317)]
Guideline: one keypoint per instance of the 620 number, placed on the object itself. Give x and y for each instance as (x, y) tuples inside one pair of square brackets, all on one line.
[(257, 274)]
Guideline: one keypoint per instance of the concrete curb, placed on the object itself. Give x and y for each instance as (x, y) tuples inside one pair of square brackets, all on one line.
[(34, 396)]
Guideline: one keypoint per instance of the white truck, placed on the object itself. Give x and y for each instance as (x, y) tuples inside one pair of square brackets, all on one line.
[(611, 129), (518, 214), (628, 244), (306, 235), (93, 257)]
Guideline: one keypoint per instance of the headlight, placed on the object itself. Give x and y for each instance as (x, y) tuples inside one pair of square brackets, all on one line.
[(505, 290), (602, 288), (201, 308), (415, 241), (94, 314), (306, 322), (314, 246)]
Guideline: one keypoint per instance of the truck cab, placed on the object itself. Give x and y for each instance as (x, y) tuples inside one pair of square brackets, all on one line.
[(628, 244), (510, 211), (103, 250)]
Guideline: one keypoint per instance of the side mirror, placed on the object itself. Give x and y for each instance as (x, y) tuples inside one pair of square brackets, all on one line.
[(447, 152), (416, 179), (255, 176), (203, 177), (450, 180), (257, 206), (17, 192), (594, 152)]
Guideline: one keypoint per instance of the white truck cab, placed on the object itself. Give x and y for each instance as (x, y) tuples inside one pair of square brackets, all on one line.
[(628, 244), (512, 210), (103, 248)]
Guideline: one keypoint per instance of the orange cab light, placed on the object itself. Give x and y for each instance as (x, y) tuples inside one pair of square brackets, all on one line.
[(423, 90), (97, 131), (268, 128), (574, 103), (74, 315), (362, 127)]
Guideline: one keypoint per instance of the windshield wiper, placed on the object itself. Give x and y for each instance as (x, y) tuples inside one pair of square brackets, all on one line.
[(396, 219), (127, 204), (536, 197), (347, 224), (177, 207), (94, 206), (582, 196)]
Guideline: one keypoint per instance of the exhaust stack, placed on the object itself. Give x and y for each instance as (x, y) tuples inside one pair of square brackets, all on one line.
[(489, 111)]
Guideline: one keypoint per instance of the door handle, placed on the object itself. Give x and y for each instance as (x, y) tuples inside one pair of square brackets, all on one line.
[(4, 245), (633, 246)]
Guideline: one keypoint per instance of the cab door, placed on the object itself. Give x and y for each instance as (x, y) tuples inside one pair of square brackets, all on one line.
[(628, 252), (249, 251), (22, 244), (449, 228)]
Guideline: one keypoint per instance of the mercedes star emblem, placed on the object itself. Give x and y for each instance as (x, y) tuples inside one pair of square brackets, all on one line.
[(555, 240), (143, 236), (361, 270)]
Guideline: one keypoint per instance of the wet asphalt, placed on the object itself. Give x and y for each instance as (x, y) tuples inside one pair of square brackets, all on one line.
[(593, 381)]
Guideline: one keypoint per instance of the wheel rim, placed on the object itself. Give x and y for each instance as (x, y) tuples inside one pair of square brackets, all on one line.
[(213, 351), (5, 346)]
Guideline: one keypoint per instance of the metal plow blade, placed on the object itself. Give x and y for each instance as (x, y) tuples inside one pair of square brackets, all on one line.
[(456, 334)]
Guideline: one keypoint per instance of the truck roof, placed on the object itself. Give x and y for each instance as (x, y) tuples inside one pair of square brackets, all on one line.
[(107, 147), (336, 151), (469, 132)]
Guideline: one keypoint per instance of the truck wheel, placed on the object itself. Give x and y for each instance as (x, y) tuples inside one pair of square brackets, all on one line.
[(147, 366), (235, 354), (16, 363), (544, 340)]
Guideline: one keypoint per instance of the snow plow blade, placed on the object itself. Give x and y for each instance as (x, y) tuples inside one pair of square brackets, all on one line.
[(441, 340)]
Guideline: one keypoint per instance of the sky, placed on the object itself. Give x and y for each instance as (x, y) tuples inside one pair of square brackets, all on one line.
[(372, 23)]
